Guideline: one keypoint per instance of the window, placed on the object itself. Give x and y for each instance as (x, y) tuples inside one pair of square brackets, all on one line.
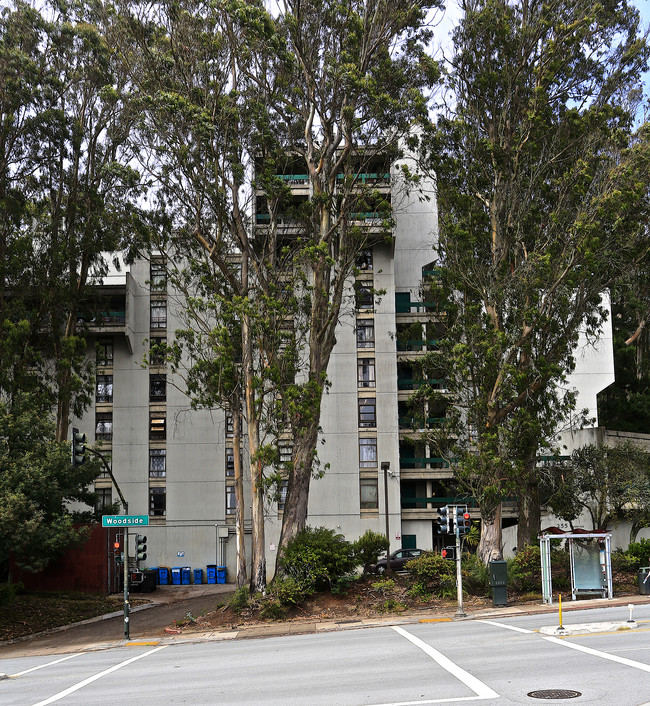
[(364, 296), (364, 261), (231, 504), (366, 372), (158, 314), (158, 427), (157, 388), (230, 462), (365, 334), (367, 453), (104, 426), (230, 426), (368, 494), (157, 502), (367, 412), (105, 353), (282, 494), (104, 388), (285, 451), (157, 463), (158, 276), (104, 498), (156, 350)]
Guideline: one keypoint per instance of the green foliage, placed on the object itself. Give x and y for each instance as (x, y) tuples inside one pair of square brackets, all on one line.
[(8, 591), (384, 586), (639, 553), (317, 558), (272, 609), (368, 547), (37, 482), (476, 576), (524, 570), (289, 590), (433, 574), (240, 599), (625, 563)]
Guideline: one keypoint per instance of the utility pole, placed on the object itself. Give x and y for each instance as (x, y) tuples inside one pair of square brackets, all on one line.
[(460, 613), (385, 465)]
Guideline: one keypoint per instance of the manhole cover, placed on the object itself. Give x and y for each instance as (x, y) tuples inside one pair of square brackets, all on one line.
[(554, 694)]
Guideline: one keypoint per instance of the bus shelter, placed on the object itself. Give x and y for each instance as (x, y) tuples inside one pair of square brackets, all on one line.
[(590, 555)]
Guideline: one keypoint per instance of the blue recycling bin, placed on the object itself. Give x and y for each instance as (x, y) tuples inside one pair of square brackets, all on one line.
[(176, 575), (221, 574), (198, 575), (186, 573), (164, 575), (211, 573)]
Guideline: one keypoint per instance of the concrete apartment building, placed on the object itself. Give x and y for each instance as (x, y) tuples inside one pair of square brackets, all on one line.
[(177, 465)]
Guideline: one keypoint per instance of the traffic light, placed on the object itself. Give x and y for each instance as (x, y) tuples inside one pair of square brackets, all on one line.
[(140, 547), (449, 553), (136, 577), (463, 521), (444, 520), (117, 550), (78, 447)]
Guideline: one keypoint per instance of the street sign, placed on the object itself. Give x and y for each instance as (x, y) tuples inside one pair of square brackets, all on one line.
[(125, 520)]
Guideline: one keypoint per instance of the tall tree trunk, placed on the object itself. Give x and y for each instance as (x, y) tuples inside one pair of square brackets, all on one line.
[(242, 574), (490, 547), (530, 513)]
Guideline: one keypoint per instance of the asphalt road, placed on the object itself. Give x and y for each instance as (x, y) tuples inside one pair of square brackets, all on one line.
[(500, 660)]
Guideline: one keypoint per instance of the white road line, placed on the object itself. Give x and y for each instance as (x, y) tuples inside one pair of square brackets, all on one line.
[(90, 680), (507, 627), (481, 690), (42, 666), (598, 653)]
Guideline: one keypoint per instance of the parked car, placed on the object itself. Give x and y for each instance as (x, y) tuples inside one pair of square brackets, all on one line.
[(398, 560)]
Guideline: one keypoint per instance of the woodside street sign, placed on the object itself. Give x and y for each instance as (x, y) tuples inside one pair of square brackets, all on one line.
[(125, 520)]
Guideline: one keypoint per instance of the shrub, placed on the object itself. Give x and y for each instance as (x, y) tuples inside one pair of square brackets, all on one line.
[(623, 562), (272, 610), (317, 558), (524, 570), (639, 553), (476, 577), (289, 591), (8, 591), (434, 574), (368, 547), (384, 586), (239, 599)]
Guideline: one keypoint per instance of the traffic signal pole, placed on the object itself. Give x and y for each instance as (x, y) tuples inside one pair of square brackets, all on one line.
[(460, 613), (126, 584)]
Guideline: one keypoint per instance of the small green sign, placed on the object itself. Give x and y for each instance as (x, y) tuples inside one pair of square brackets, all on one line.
[(125, 520)]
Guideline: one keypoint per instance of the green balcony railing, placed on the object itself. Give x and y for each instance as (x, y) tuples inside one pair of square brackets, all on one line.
[(415, 423), (422, 462), (416, 384), (417, 344)]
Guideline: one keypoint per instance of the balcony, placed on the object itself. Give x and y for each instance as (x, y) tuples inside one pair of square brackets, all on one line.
[(415, 423), (422, 462), (404, 383)]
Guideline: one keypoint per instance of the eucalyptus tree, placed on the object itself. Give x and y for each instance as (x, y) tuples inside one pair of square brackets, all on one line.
[(541, 191)]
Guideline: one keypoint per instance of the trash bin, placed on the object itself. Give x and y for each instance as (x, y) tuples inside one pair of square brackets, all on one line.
[(644, 586), (211, 573), (198, 575), (176, 575), (164, 573), (499, 582), (186, 573), (149, 580), (155, 569), (221, 574)]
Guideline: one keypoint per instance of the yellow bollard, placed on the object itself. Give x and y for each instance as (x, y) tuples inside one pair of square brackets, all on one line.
[(561, 626)]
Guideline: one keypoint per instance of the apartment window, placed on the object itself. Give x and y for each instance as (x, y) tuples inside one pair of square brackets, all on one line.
[(158, 314), (104, 426), (285, 451), (364, 261), (157, 388), (104, 498), (156, 350), (365, 334), (109, 462), (157, 463), (157, 502), (105, 354), (366, 372), (158, 276), (367, 412), (282, 494), (231, 504), (367, 453), (230, 426), (230, 462), (368, 493), (157, 427), (364, 296), (104, 388)]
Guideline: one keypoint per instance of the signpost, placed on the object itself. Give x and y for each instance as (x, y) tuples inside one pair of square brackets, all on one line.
[(125, 521)]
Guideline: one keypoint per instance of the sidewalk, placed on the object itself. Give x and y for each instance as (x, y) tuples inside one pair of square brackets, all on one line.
[(169, 603)]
